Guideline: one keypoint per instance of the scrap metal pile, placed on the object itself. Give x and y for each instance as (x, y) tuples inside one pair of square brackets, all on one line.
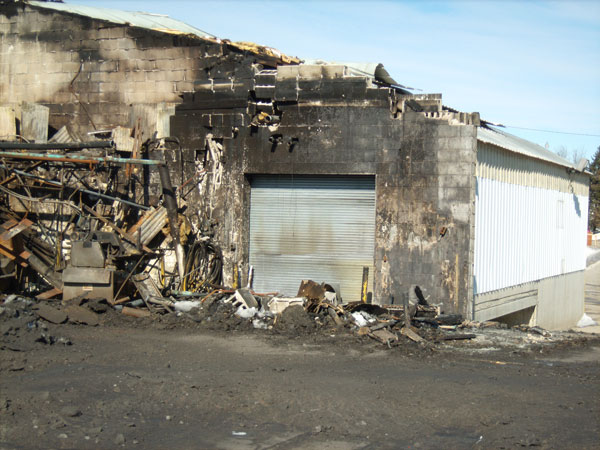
[(82, 220)]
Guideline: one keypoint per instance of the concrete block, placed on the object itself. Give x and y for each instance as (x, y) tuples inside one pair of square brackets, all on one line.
[(117, 32), (455, 181), (109, 87), (59, 78), (264, 91), (175, 75), (107, 66), (447, 131), (155, 75), (309, 85), (265, 79), (460, 168), (184, 86), (146, 64), (287, 72), (332, 72), (309, 72), (165, 86), (286, 90), (134, 76)]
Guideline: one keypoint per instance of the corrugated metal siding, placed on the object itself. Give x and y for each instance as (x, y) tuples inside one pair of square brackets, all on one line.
[(525, 233), (502, 139), (319, 228), (504, 165)]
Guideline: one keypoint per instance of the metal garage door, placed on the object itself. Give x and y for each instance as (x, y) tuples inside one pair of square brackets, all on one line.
[(311, 227)]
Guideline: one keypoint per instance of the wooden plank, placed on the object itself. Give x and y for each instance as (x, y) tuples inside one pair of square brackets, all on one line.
[(411, 335), (7, 250), (9, 224), (48, 294), (22, 225), (134, 312), (456, 337)]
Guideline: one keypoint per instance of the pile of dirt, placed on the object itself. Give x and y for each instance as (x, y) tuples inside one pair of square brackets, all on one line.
[(295, 320)]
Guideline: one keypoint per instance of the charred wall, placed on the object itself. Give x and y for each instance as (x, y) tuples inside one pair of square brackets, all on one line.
[(92, 73), (313, 120)]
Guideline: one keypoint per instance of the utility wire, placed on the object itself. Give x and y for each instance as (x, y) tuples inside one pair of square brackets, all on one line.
[(546, 131)]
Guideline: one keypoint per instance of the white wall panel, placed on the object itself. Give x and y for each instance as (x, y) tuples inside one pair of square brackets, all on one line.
[(526, 233)]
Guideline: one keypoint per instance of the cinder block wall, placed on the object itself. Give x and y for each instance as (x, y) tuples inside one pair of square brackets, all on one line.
[(426, 220), (424, 169), (91, 72)]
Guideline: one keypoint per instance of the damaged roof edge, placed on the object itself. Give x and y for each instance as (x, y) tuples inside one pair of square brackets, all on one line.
[(159, 23), (516, 144), (375, 71)]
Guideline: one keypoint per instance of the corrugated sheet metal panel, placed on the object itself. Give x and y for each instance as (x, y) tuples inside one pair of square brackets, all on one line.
[(496, 163), (319, 228), (155, 22), (518, 145), (525, 233)]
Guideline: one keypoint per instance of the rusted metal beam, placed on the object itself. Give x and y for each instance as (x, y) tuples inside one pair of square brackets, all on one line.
[(55, 145), (78, 159)]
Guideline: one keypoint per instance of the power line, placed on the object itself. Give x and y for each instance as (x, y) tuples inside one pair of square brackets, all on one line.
[(549, 131)]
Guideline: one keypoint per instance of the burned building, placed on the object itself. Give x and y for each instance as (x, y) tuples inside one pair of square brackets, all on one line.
[(314, 170)]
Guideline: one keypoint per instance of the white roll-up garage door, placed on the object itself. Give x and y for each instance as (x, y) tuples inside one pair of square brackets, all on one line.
[(311, 227)]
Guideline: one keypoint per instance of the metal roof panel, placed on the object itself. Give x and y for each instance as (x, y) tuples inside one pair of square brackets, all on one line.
[(156, 22), (518, 145)]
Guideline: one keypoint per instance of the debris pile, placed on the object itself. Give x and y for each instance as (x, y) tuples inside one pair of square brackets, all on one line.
[(100, 220)]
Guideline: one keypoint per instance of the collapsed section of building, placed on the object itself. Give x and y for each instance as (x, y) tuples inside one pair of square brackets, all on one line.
[(273, 168)]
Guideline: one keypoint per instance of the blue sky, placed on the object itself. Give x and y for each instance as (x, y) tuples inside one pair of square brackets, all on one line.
[(525, 64)]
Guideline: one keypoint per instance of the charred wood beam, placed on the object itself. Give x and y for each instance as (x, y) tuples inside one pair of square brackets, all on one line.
[(170, 199), (44, 270)]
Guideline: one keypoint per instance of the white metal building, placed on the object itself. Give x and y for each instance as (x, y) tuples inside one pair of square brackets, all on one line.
[(531, 213)]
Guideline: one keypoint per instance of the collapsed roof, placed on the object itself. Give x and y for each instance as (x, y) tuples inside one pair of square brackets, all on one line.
[(161, 23)]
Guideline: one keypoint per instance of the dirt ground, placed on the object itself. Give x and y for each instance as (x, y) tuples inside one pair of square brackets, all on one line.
[(177, 383)]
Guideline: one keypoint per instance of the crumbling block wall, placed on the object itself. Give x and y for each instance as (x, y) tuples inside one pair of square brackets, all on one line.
[(92, 73), (425, 220), (341, 125)]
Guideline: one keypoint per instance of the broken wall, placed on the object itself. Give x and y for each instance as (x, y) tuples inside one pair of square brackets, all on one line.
[(95, 75), (316, 120)]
